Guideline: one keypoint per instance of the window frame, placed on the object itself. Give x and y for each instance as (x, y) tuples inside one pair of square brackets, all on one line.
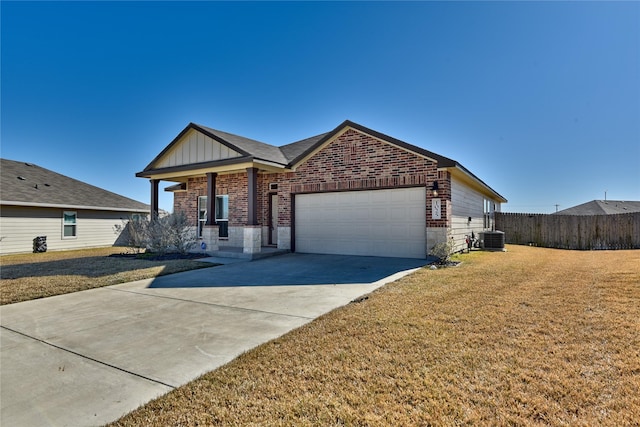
[(487, 214), (202, 207), (223, 229), (74, 225)]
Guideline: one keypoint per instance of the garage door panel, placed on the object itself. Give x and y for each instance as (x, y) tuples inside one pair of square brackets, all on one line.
[(374, 222)]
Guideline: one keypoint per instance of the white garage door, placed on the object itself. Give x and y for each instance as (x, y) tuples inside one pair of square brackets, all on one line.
[(373, 222)]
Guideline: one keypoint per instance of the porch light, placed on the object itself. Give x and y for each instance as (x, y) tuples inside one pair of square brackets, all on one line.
[(434, 189)]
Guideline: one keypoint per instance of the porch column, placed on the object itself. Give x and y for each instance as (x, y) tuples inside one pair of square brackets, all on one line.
[(210, 231), (252, 231), (154, 198), (211, 198), (252, 178)]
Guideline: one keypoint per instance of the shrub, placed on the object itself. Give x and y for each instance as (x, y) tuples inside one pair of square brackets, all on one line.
[(181, 235), (133, 233), (443, 250), (171, 233)]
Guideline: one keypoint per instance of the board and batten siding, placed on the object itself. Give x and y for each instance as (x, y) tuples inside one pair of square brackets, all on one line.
[(195, 147), (466, 203), (20, 225)]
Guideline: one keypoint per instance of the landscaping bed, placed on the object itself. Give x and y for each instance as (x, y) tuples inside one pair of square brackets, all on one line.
[(150, 256)]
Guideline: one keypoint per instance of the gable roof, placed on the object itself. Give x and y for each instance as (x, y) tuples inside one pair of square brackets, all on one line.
[(27, 184), (317, 142), (298, 151), (288, 156), (602, 207), (248, 148)]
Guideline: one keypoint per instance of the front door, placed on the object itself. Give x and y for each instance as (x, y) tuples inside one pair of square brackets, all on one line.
[(273, 219)]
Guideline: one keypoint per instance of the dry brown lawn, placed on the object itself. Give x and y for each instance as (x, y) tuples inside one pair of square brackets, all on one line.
[(25, 277), (531, 336)]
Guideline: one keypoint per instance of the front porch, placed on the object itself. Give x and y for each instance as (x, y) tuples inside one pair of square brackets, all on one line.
[(249, 245), (238, 252)]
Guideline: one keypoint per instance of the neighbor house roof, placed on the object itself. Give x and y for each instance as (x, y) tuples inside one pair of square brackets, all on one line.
[(288, 156), (602, 207), (27, 184)]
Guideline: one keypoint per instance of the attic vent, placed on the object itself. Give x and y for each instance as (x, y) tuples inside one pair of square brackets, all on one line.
[(22, 178), (492, 240), (273, 186), (29, 164)]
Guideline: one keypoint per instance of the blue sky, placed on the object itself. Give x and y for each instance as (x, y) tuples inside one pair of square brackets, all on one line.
[(541, 100)]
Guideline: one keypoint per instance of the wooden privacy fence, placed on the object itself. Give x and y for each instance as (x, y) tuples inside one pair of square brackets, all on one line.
[(620, 231)]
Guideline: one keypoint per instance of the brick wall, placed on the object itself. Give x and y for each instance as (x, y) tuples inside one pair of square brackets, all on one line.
[(187, 201), (444, 194), (233, 185), (353, 161)]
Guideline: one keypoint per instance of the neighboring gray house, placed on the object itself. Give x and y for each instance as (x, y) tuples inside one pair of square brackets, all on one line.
[(35, 201), (602, 207)]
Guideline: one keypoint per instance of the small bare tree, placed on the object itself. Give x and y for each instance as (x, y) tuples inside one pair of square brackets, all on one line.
[(134, 233), (443, 250), (159, 239), (171, 233), (182, 235)]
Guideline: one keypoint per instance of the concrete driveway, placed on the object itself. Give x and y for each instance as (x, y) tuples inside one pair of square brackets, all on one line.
[(89, 357)]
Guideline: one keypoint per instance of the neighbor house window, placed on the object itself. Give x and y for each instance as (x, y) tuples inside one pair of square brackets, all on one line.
[(69, 220), (136, 217), (202, 213), (222, 215)]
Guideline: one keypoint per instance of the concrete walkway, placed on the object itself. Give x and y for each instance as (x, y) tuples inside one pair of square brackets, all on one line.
[(87, 358)]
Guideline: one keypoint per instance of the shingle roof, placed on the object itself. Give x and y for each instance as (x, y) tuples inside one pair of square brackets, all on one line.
[(26, 184), (290, 154), (602, 207), (251, 147), (298, 148), (312, 143)]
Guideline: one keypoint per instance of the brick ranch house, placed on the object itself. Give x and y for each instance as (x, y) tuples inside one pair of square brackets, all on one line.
[(349, 191)]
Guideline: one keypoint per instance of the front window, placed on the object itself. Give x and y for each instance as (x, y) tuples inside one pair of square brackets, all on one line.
[(221, 212), (202, 213), (222, 215), (69, 220)]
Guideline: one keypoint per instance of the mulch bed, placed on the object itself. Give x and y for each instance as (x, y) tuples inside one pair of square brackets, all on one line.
[(161, 257)]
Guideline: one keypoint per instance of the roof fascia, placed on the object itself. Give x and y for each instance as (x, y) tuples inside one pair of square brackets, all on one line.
[(220, 140), (441, 160), (183, 133), (460, 172), (344, 126), (269, 165), (80, 207), (238, 164), (317, 146), (217, 164)]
